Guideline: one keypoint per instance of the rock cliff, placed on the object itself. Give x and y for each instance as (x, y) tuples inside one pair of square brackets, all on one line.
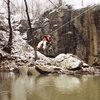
[(72, 31)]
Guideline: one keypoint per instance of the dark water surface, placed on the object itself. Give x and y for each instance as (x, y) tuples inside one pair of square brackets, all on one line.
[(62, 87)]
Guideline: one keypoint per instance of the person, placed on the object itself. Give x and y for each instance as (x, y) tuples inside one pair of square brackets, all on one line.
[(46, 40)]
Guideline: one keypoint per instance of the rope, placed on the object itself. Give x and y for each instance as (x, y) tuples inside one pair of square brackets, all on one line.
[(72, 19), (53, 4)]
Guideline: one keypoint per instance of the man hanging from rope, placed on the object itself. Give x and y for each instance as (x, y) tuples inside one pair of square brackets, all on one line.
[(46, 40)]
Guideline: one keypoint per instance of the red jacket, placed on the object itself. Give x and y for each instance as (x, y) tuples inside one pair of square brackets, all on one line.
[(47, 38)]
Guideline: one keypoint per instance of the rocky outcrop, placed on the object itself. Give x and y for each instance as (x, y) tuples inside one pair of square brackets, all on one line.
[(22, 60), (72, 31), (22, 53), (64, 64), (86, 25)]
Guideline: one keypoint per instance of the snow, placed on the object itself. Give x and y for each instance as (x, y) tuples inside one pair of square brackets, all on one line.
[(24, 36), (73, 62), (16, 17), (61, 57), (3, 53), (68, 60), (55, 25), (2, 10), (23, 51), (5, 35), (46, 19), (85, 64), (54, 10)]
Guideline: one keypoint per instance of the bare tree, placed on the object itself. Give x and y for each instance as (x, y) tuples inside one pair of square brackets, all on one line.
[(29, 22), (8, 47)]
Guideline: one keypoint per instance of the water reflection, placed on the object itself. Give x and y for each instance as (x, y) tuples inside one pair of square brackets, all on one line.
[(67, 83), (19, 88), (49, 87), (5, 85)]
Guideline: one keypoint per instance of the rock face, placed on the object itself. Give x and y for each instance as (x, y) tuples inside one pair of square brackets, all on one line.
[(68, 61), (87, 26), (63, 64), (72, 31), (22, 53)]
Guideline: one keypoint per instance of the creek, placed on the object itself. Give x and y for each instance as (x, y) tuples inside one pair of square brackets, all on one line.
[(51, 87)]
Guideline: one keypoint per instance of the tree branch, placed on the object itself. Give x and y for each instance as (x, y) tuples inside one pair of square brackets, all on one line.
[(29, 22)]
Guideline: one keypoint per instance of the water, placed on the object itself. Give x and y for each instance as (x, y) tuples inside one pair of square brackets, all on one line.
[(62, 87)]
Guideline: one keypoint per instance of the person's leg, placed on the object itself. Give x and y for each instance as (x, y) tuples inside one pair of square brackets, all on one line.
[(39, 44), (44, 45)]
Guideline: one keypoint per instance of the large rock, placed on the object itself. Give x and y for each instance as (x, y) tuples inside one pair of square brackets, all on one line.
[(62, 64), (79, 36), (22, 53), (68, 61)]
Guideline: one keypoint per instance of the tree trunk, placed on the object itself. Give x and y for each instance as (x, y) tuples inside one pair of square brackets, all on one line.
[(8, 47), (29, 22)]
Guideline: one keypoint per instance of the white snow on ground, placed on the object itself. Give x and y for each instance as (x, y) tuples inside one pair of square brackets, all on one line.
[(21, 49), (73, 61), (5, 35), (16, 17), (62, 56), (69, 60), (24, 51), (46, 19)]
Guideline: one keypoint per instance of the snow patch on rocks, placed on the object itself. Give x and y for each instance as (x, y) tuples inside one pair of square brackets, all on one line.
[(23, 51), (69, 61)]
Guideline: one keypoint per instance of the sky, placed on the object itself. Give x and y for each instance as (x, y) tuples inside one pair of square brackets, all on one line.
[(76, 3), (45, 4)]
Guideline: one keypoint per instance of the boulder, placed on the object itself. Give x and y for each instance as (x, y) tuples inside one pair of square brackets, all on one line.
[(68, 61)]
